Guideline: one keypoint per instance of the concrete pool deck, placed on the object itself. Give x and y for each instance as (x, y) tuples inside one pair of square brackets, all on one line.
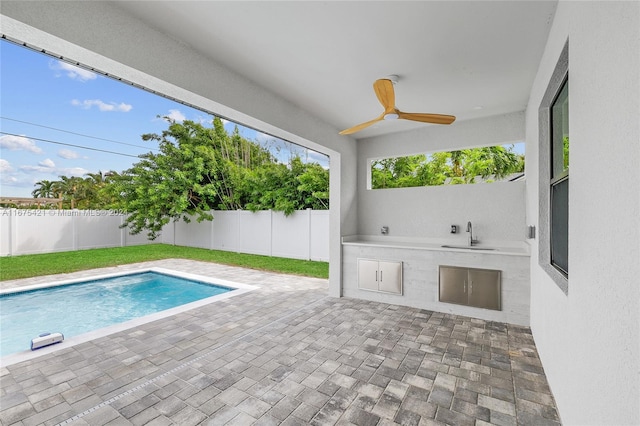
[(284, 354)]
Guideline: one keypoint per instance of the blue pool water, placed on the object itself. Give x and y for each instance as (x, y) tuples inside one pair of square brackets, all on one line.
[(77, 308)]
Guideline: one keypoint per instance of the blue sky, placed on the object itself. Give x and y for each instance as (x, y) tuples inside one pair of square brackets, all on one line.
[(44, 99)]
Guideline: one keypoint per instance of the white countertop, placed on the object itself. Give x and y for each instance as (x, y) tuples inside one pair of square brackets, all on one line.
[(509, 248)]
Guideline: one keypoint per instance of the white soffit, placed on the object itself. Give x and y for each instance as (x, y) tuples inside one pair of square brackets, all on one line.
[(466, 58)]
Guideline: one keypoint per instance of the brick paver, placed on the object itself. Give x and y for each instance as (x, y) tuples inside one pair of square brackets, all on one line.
[(285, 354)]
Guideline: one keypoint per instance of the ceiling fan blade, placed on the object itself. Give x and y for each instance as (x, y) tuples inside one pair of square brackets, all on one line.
[(385, 93), (427, 118), (361, 126)]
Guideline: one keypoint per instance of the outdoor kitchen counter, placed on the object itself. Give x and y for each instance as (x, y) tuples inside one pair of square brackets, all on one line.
[(421, 260), (508, 248)]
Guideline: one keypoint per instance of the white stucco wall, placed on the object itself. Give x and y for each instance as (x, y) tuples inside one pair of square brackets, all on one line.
[(99, 34), (497, 210), (589, 340)]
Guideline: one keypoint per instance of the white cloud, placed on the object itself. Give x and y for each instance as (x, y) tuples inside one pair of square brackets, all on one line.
[(72, 71), (72, 171), (47, 163), (49, 167), (203, 119), (68, 154), (36, 169), (5, 166), (175, 115), (19, 143), (8, 179), (45, 166), (102, 106)]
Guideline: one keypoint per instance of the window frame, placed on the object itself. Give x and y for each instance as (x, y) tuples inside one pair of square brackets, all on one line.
[(547, 180), (558, 178), (427, 154)]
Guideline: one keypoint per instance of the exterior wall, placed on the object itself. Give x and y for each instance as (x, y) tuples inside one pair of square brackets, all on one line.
[(160, 63), (589, 339), (496, 210)]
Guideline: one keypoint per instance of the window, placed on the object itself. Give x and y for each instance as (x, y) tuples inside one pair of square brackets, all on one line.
[(553, 171), (465, 166), (559, 183)]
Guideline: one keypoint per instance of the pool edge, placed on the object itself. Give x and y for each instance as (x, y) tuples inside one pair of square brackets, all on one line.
[(237, 289)]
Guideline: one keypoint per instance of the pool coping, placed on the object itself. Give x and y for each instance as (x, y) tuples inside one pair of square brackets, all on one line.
[(237, 289)]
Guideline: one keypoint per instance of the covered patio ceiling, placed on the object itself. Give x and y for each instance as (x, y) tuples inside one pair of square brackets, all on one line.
[(469, 59)]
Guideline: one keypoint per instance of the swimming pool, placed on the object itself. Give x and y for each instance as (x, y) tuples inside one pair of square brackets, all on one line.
[(74, 308)]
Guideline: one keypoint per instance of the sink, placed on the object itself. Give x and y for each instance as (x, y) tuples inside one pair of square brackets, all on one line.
[(468, 247)]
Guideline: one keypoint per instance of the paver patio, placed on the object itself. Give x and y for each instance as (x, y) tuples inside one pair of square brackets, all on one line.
[(285, 354)]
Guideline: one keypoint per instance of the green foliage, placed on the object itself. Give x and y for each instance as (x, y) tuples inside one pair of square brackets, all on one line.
[(285, 188), (181, 181), (44, 189), (449, 167), (197, 169)]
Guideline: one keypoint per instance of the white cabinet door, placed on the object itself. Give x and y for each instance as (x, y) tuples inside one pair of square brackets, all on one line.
[(380, 276), (368, 274), (390, 277)]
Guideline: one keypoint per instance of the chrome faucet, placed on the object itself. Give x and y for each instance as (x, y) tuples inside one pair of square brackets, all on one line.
[(472, 241)]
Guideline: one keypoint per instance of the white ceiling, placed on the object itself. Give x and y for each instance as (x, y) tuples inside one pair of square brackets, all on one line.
[(465, 58)]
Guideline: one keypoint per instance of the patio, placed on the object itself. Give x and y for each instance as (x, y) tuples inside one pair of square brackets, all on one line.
[(285, 354)]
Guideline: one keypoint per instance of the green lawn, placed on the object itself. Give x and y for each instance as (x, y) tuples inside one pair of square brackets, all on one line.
[(56, 263)]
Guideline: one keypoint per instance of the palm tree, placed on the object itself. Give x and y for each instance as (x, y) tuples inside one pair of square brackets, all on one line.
[(44, 189), (66, 188), (97, 179)]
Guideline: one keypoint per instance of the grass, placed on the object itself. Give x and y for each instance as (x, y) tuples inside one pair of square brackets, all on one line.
[(70, 261)]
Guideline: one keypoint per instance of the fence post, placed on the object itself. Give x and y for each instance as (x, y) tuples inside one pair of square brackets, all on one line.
[(13, 241), (74, 227), (238, 248), (211, 233), (308, 234), (123, 237), (270, 233)]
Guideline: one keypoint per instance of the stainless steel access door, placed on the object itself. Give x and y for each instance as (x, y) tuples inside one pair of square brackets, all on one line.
[(453, 285), (470, 286), (484, 288)]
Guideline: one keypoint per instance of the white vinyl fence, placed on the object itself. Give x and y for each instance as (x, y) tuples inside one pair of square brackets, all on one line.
[(302, 235)]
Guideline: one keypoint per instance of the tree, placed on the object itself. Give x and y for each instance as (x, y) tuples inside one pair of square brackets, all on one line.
[(398, 172), (314, 186), (44, 189), (447, 167), (70, 189), (197, 169), (495, 161)]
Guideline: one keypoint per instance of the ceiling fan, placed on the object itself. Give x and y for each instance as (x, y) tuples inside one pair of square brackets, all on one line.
[(384, 91)]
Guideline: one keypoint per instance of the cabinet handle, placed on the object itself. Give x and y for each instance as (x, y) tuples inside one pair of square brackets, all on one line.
[(465, 286), (380, 276), (470, 287), (376, 276)]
